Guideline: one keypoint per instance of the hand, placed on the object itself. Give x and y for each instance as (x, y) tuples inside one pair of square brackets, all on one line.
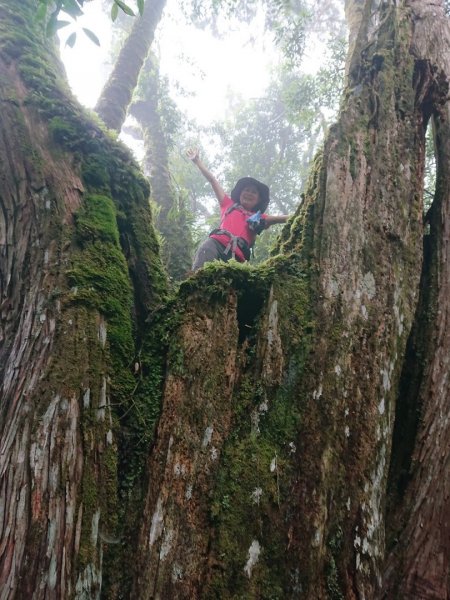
[(192, 154)]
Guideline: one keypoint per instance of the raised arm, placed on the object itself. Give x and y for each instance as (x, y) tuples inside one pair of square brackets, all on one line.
[(274, 219), (193, 155)]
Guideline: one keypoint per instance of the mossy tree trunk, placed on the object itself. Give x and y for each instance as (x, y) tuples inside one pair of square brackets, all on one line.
[(285, 384), (417, 564), (116, 95), (79, 273)]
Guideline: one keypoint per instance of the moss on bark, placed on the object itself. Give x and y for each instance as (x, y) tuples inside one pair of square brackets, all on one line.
[(99, 275)]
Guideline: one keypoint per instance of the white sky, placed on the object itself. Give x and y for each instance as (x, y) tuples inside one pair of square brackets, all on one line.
[(213, 67)]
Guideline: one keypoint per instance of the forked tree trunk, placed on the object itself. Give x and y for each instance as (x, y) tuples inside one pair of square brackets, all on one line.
[(269, 474)]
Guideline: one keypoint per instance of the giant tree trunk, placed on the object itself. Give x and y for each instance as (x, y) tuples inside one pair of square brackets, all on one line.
[(70, 302), (269, 474), (419, 562)]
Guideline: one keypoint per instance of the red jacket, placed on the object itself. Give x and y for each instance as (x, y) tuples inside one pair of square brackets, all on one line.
[(235, 221)]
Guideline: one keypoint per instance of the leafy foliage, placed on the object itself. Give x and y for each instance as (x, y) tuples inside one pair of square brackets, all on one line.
[(288, 22), (49, 11), (74, 8), (285, 20)]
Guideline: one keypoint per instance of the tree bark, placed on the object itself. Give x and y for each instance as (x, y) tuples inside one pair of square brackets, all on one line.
[(286, 385), (67, 305), (418, 564), (172, 218), (273, 484), (115, 98)]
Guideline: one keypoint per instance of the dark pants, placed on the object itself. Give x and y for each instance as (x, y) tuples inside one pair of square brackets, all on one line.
[(210, 250)]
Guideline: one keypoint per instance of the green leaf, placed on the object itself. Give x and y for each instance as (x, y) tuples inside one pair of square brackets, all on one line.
[(71, 39), (126, 9), (61, 24), (72, 8), (140, 4), (91, 35), (114, 12)]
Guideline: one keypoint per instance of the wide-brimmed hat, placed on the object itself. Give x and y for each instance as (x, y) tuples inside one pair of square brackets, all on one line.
[(263, 190)]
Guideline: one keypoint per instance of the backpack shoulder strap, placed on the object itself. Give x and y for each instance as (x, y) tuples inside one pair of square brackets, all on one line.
[(231, 208)]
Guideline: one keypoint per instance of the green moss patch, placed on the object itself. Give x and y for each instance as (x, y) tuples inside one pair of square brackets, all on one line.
[(96, 221)]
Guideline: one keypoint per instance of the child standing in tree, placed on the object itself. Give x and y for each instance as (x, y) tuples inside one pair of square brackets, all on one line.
[(242, 218)]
